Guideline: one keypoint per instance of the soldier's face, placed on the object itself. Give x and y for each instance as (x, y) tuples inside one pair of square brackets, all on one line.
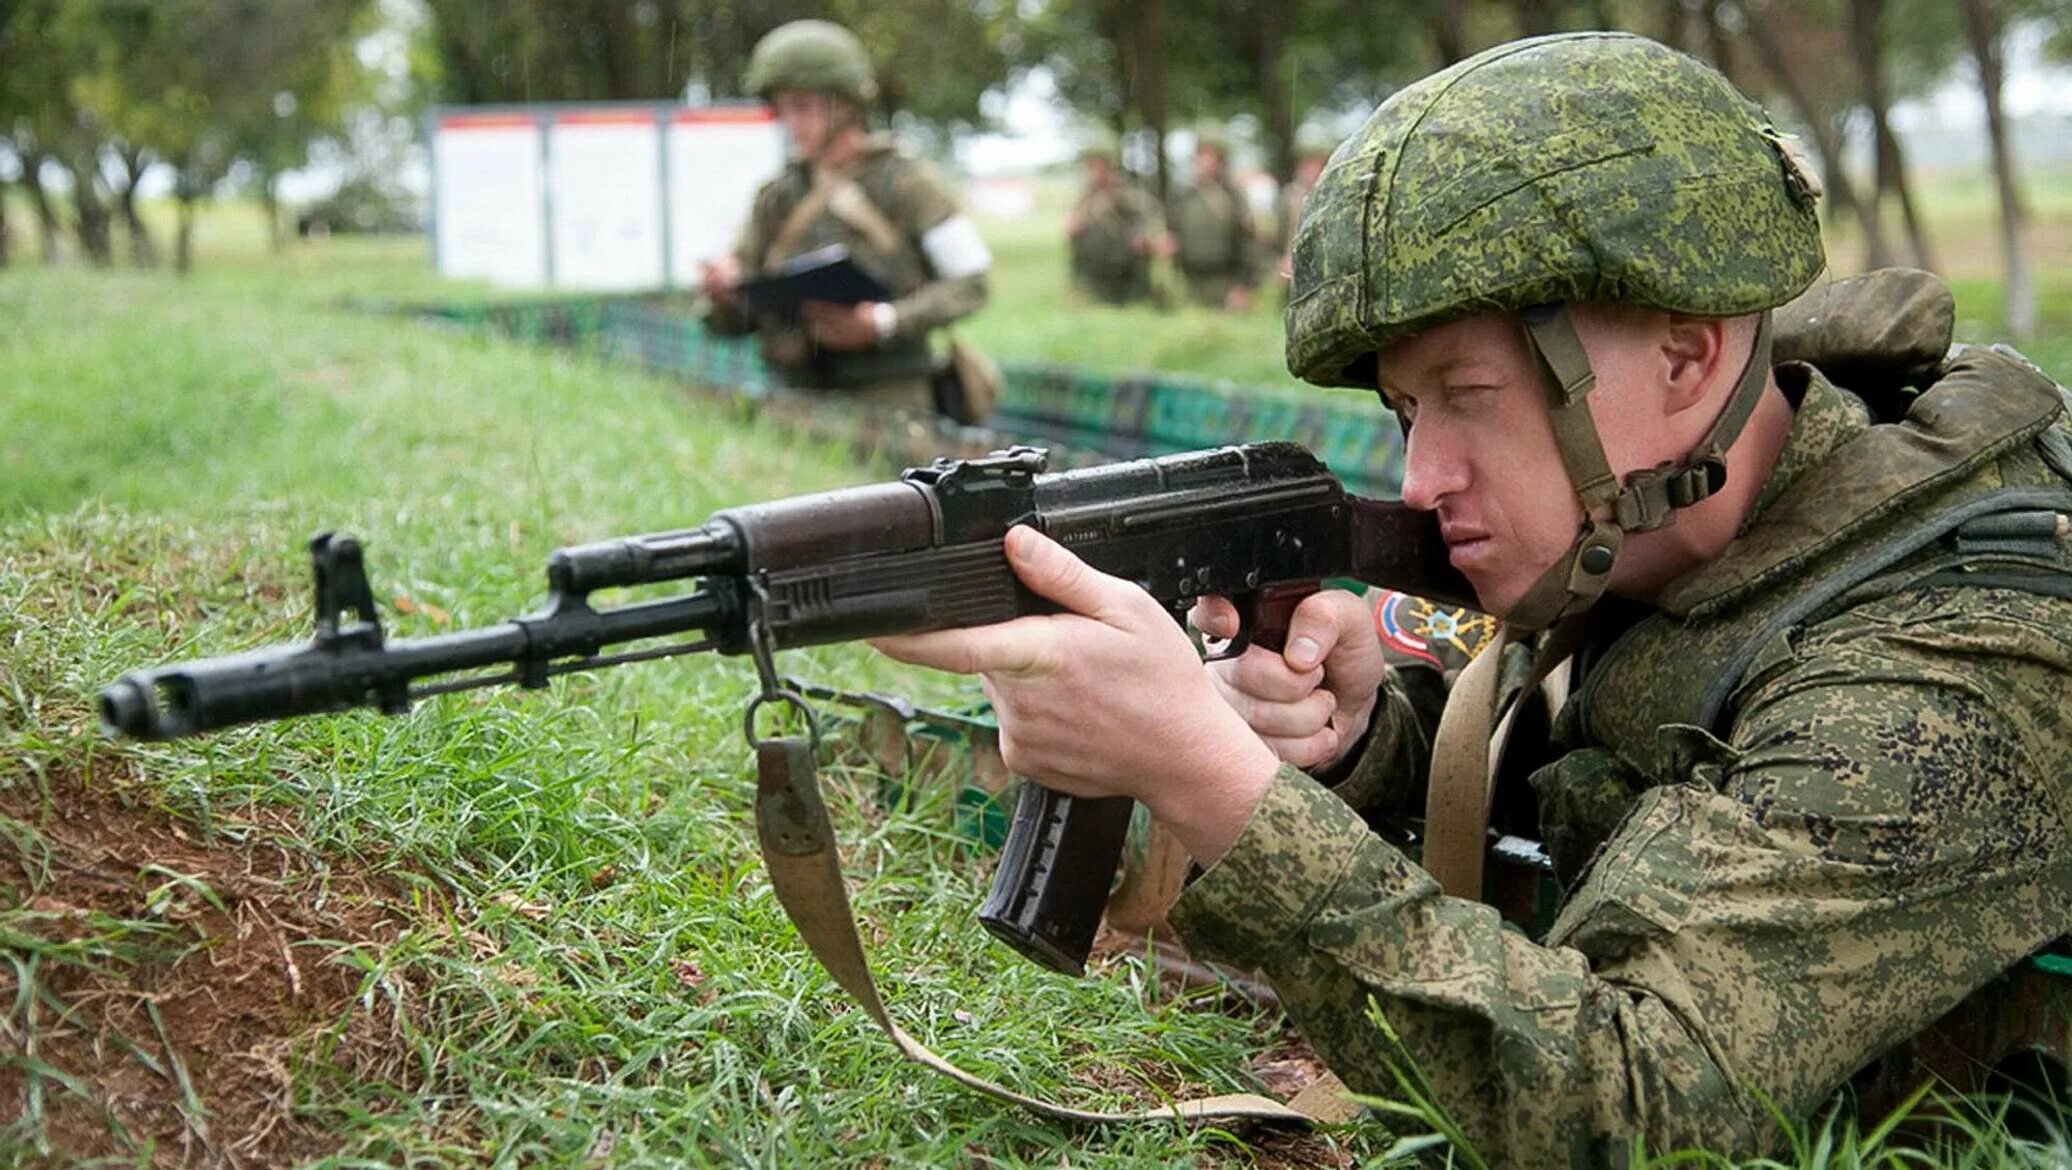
[(1208, 162), (1097, 172), (1481, 451), (809, 119)]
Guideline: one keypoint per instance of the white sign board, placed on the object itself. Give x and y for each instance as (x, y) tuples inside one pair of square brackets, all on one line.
[(490, 216), (717, 159), (620, 198), (604, 170)]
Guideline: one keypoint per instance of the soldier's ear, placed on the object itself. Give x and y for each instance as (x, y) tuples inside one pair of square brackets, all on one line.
[(1693, 353)]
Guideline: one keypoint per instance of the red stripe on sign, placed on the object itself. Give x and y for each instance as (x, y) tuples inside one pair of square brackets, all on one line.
[(606, 118), (725, 115), (486, 121)]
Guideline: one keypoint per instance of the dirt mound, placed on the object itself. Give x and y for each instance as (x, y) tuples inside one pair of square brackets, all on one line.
[(183, 983)]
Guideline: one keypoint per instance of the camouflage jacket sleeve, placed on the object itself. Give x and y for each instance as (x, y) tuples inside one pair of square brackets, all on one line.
[(923, 204), (1884, 833)]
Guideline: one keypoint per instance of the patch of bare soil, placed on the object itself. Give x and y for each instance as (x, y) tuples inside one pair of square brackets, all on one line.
[(180, 978), (1284, 1066)]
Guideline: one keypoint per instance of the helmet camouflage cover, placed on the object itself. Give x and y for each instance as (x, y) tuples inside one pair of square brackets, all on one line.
[(1578, 167), (818, 56)]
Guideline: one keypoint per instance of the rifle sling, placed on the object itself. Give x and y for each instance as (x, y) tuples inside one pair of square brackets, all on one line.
[(1467, 748), (845, 199), (799, 849)]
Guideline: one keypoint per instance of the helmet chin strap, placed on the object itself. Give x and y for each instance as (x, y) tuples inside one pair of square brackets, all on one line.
[(1645, 500)]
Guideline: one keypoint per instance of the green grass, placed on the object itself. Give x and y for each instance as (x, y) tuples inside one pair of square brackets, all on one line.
[(165, 448)]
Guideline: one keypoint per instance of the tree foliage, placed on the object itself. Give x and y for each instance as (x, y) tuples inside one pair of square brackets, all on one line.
[(102, 89), (936, 58)]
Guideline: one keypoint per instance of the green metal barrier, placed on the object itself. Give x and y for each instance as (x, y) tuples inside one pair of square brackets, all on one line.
[(1094, 414)]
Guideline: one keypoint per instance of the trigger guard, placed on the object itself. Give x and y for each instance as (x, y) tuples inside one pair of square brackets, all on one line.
[(1238, 644)]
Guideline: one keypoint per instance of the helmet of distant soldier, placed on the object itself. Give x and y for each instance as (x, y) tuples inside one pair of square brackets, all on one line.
[(1214, 135), (818, 56), (1314, 142), (1579, 167), (1101, 142)]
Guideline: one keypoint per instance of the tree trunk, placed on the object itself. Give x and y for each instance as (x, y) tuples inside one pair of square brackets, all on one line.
[(1841, 194), (1675, 29), (90, 219), (1269, 36), (183, 238), (1719, 45), (1142, 58), (1535, 17), (1891, 168), (1450, 30), (1985, 29), (143, 251), (50, 233), (270, 207), (4, 238)]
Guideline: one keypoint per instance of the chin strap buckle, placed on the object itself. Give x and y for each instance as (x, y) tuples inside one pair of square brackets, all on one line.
[(1649, 499)]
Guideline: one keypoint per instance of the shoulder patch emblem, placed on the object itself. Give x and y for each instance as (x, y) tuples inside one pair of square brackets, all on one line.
[(1430, 633)]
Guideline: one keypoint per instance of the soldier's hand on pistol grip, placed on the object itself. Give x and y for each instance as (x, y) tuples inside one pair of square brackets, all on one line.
[(1108, 699), (1310, 702)]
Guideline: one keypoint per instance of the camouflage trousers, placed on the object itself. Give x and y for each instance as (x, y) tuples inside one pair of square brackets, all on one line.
[(914, 395), (1211, 289)]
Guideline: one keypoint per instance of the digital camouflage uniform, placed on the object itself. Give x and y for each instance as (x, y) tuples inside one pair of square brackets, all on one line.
[(1218, 245), (1796, 818), (913, 198), (884, 220), (1109, 260)]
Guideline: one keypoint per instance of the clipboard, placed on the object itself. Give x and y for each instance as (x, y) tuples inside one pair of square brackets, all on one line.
[(824, 274)]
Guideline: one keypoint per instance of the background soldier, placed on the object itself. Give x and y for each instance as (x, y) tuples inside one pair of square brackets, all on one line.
[(1312, 150), (1114, 229), (1805, 787), (1216, 247), (850, 187)]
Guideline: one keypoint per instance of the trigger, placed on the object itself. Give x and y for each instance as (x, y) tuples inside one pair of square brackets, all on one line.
[(1237, 645)]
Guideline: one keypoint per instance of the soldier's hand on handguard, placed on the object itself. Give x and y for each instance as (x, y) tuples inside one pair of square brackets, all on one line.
[(1311, 701), (841, 327), (1108, 699)]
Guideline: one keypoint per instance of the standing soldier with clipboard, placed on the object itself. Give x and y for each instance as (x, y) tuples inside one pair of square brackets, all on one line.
[(849, 188)]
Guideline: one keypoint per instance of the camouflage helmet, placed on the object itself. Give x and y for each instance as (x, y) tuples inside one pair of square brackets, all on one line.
[(1214, 135), (1583, 167), (1577, 167), (818, 56)]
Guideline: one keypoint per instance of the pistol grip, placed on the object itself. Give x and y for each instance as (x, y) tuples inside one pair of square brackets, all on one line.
[(1263, 617), (1055, 872)]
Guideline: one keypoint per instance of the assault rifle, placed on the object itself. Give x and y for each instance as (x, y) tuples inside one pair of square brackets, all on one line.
[(1263, 524)]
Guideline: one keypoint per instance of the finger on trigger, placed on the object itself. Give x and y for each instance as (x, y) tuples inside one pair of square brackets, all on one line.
[(1214, 616)]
